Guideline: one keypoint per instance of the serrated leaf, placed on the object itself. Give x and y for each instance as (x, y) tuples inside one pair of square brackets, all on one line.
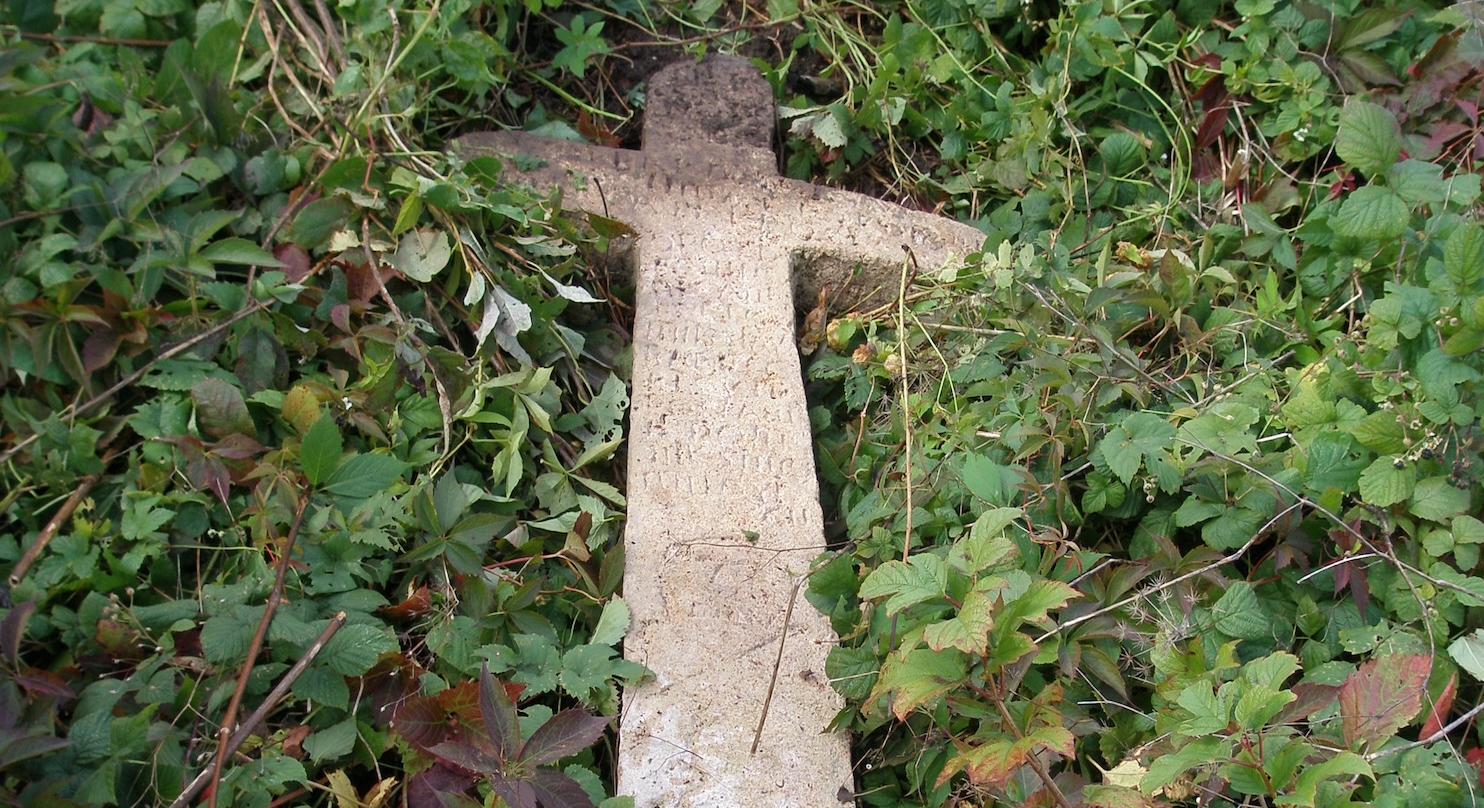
[(1436, 498), (239, 251), (1369, 137), (1382, 484), (356, 647), (851, 671), (1209, 714), (1381, 432), (1382, 696), (564, 734), (1239, 613), (921, 577), (1373, 212), (422, 253), (319, 452), (362, 475), (917, 677), (968, 631)]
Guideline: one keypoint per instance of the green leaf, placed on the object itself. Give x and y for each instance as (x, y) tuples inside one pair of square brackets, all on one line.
[(1374, 212), (613, 624), (968, 631), (1436, 498), (1384, 484), (225, 638), (918, 677), (1468, 652), (1142, 439), (1239, 614), (921, 577), (1369, 137), (1165, 768), (1122, 154), (852, 671), (1345, 764), (356, 647), (319, 453), (318, 221), (588, 670), (1382, 432), (422, 254), (1209, 713), (1333, 462), (362, 475), (333, 742), (986, 544), (239, 251)]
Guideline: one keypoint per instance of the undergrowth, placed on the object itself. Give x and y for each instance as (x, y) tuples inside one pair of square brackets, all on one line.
[(313, 436)]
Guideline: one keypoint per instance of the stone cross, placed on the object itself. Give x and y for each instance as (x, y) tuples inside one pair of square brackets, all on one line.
[(723, 504)]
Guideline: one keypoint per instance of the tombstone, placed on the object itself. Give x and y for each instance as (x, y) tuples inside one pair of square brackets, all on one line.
[(723, 503)]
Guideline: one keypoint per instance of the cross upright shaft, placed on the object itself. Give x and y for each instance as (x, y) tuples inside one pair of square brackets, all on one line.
[(719, 442)]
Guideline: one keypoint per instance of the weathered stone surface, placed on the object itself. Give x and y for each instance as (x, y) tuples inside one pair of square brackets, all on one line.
[(719, 441)]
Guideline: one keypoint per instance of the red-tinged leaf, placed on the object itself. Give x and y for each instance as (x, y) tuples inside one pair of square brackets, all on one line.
[(426, 721), (415, 607), (1437, 715), (556, 790), (501, 724), (389, 684), (1475, 757), (1382, 696), (1309, 698), (221, 410), (566, 733), (237, 447), (118, 640), (12, 629), (993, 763), (1212, 125), (430, 787), (99, 349), (518, 793), (37, 682), (295, 261), (209, 473), (465, 756)]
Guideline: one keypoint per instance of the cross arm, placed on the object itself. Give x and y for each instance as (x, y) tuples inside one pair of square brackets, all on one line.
[(842, 231)]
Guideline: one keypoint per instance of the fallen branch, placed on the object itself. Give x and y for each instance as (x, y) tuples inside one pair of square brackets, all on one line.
[(252, 722), (54, 525), (274, 598)]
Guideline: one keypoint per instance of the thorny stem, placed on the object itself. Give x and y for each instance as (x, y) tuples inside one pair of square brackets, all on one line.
[(905, 394), (274, 598)]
